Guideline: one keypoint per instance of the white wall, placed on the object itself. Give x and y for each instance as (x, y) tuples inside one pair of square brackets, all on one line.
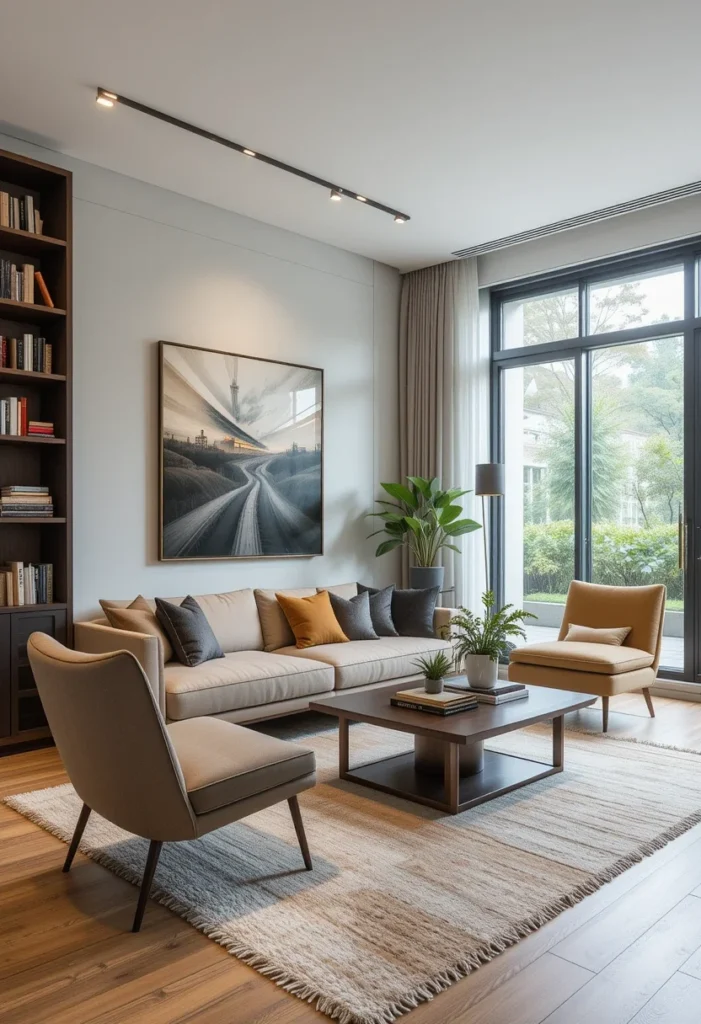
[(150, 265)]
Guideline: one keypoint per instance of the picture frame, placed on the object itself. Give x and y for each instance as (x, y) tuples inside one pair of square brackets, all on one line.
[(241, 456)]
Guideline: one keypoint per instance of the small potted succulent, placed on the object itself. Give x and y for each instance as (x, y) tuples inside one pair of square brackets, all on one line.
[(480, 642), (435, 667)]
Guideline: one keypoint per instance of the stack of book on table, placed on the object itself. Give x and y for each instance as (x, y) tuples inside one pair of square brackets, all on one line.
[(444, 703), (18, 501), (502, 693)]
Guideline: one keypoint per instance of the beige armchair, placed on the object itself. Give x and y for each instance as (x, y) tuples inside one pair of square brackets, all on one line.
[(599, 668), (164, 783)]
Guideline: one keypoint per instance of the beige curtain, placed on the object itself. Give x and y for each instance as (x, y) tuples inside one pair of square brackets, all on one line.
[(444, 400)]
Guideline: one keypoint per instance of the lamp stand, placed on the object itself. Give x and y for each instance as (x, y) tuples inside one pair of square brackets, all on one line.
[(484, 538)]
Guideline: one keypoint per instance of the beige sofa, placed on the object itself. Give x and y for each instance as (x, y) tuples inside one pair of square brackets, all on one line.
[(262, 674)]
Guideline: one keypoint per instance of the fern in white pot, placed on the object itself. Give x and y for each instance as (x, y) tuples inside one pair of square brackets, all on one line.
[(480, 642)]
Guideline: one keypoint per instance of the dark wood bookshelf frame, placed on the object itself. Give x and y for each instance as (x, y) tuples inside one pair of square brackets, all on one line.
[(34, 459)]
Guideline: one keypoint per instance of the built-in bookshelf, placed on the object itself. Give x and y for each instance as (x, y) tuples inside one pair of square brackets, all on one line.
[(35, 239)]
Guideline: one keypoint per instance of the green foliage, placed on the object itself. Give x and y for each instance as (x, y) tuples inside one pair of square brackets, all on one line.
[(435, 666), (489, 634), (423, 518), (622, 556)]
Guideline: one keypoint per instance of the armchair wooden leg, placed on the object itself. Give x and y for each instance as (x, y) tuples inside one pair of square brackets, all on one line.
[(648, 701), (605, 702), (77, 836), (299, 829), (154, 852)]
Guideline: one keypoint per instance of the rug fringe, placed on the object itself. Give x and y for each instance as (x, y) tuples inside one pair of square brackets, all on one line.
[(332, 1007)]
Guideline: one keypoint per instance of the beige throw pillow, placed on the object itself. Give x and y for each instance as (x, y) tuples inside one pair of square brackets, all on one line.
[(138, 617), (276, 629), (614, 636)]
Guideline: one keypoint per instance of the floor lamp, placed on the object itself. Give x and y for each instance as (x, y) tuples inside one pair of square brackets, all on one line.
[(489, 483)]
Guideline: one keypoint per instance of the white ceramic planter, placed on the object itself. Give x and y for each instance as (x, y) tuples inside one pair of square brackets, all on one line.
[(481, 671)]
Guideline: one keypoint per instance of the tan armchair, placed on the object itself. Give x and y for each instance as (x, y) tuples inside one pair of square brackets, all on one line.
[(164, 783), (599, 668)]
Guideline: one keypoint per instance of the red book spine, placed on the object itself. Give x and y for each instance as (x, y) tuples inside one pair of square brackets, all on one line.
[(23, 416), (3, 352)]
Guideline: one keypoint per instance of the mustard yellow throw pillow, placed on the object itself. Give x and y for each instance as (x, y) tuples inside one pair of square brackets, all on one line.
[(312, 620)]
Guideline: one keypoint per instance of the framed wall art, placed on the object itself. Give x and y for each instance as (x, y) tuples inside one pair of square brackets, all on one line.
[(241, 442)]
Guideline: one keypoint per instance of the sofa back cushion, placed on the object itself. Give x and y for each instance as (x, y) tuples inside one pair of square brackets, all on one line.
[(233, 617), (276, 629), (345, 590), (137, 617)]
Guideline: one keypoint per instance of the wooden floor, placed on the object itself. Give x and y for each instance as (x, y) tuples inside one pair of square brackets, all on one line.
[(630, 954)]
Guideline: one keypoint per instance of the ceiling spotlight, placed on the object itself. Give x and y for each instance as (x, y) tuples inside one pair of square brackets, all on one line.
[(361, 199), (105, 99), (249, 152), (399, 219), (336, 195)]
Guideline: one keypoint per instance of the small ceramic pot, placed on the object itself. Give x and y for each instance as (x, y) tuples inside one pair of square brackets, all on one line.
[(481, 671), (433, 685)]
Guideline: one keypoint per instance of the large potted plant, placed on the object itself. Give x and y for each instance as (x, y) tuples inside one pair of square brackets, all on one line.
[(424, 519), (480, 642)]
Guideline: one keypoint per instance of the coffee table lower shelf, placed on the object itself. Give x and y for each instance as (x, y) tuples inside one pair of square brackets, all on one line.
[(501, 774)]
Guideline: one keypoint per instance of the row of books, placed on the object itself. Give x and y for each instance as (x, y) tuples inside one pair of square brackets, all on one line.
[(457, 696), (14, 420), (19, 501), (17, 283), (19, 212), (26, 353), (22, 584)]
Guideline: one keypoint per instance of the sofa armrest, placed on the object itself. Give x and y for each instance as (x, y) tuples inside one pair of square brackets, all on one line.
[(94, 638), (441, 619)]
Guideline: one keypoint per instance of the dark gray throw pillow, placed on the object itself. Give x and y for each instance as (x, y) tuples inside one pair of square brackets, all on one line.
[(380, 609), (188, 631), (412, 611), (354, 616)]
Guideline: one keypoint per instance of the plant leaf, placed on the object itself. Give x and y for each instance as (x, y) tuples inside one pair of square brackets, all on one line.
[(422, 486), (462, 526), (387, 545), (401, 493)]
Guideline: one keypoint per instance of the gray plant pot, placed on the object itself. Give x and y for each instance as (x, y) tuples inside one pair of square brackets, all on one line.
[(422, 577), (433, 685), (481, 671)]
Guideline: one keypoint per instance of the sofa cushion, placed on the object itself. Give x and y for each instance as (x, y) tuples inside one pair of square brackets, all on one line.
[(312, 620), (137, 617), (412, 611), (582, 657), (370, 661), (241, 679), (276, 629), (346, 590), (223, 763), (353, 616), (587, 634), (188, 631), (380, 609)]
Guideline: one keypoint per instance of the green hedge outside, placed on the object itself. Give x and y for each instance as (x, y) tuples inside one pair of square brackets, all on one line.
[(626, 556)]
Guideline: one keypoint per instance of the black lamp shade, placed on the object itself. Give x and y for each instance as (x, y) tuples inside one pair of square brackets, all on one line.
[(489, 478)]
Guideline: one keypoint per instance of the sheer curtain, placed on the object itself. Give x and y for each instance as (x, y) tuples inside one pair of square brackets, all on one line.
[(444, 399)]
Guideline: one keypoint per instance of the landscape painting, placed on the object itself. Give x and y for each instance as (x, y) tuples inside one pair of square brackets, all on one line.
[(241, 456)]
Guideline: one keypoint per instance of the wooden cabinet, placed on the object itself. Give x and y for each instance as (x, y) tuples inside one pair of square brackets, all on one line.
[(22, 719)]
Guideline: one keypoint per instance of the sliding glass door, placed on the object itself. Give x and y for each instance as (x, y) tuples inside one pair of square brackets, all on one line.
[(595, 385)]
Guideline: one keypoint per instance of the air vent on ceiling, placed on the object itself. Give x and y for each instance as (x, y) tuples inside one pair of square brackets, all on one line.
[(656, 199)]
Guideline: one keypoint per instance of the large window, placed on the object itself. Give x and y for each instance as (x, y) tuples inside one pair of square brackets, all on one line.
[(595, 382)]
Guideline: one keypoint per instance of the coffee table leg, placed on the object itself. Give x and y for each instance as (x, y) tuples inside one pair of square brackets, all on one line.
[(559, 742), (342, 746), (452, 776)]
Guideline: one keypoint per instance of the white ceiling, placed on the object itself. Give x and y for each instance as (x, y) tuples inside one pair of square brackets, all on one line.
[(477, 119)]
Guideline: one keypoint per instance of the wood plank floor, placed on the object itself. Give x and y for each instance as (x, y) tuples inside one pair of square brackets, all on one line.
[(629, 954)]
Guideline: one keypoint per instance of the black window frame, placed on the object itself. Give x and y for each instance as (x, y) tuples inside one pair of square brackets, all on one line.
[(580, 349)]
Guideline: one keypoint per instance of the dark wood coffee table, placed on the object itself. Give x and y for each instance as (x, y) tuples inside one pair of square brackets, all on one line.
[(449, 768)]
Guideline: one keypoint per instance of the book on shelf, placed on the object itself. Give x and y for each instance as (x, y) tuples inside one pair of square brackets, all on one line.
[(26, 353), (14, 420), (21, 213), (30, 502), (29, 584), (43, 290), (17, 281)]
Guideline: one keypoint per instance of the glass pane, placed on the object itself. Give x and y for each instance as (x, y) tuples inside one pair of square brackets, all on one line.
[(539, 498), (624, 302), (638, 474), (540, 318)]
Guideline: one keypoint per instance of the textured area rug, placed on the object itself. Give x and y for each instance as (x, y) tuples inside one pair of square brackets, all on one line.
[(402, 900)]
